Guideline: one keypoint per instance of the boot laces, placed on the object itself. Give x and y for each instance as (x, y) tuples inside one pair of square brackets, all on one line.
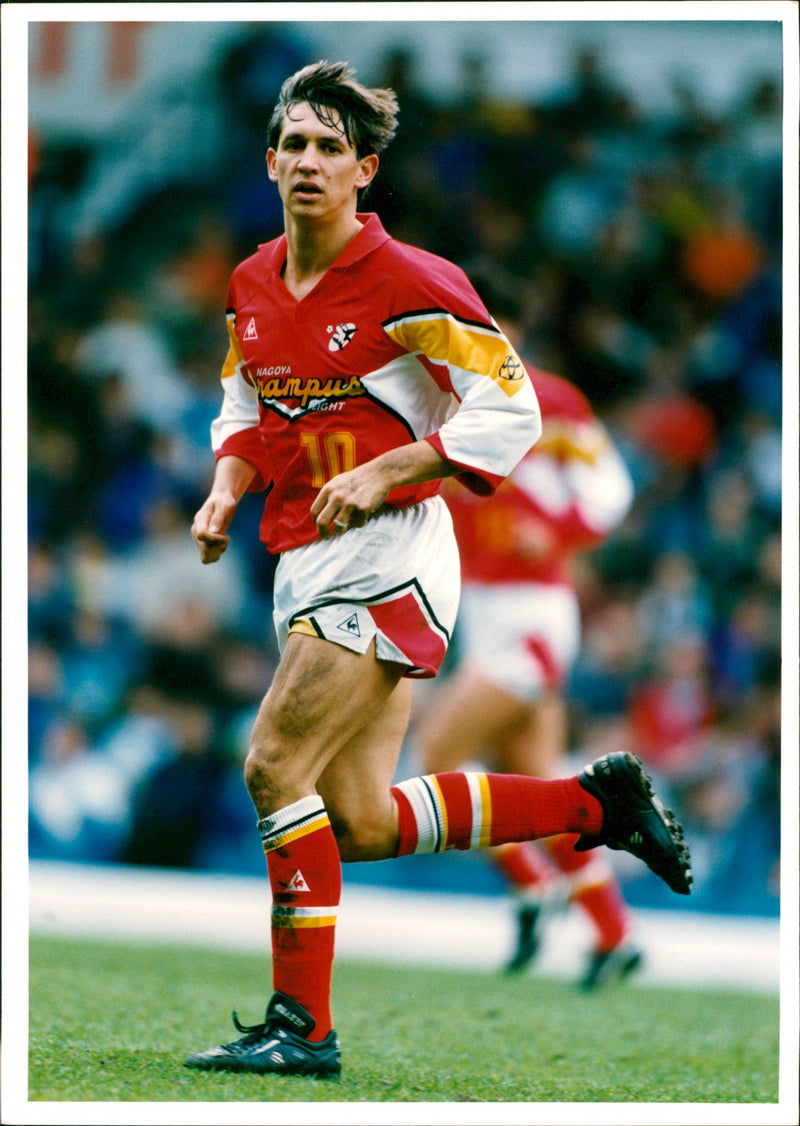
[(252, 1033)]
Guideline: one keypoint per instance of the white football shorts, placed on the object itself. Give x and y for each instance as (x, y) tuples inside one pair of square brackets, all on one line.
[(396, 580), (523, 637)]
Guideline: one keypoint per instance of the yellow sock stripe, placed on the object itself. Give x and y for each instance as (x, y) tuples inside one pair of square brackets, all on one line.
[(288, 922), (295, 834), (303, 924), (294, 918)]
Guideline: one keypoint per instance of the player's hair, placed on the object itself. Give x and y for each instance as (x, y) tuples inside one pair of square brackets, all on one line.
[(368, 116)]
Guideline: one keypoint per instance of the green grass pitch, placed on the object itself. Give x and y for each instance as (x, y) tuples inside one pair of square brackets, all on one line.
[(113, 1021)]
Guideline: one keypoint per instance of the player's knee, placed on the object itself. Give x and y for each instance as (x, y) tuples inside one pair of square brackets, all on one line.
[(279, 759), (257, 775), (364, 839), (265, 774)]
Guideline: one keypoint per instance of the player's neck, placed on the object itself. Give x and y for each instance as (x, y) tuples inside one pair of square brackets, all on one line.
[(312, 248)]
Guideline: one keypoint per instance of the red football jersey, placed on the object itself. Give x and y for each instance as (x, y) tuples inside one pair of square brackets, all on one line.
[(392, 345)]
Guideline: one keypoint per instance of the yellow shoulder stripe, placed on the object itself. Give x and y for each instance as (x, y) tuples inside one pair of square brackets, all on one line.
[(234, 356), (443, 339), (568, 442)]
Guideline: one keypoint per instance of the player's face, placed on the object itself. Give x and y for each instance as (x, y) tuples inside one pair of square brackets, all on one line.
[(315, 167)]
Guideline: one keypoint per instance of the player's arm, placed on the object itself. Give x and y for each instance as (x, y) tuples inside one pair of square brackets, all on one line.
[(497, 419), (602, 489), (239, 449), (350, 498), (232, 477)]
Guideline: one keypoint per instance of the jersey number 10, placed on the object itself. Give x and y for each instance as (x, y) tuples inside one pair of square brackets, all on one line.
[(329, 456)]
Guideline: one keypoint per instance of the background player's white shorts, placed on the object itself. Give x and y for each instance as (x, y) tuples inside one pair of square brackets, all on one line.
[(397, 580), (523, 637)]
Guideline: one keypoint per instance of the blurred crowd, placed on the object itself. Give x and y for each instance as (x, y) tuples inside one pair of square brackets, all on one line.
[(637, 253)]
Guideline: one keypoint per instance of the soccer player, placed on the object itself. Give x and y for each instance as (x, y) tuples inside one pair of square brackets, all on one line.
[(519, 633), (360, 373)]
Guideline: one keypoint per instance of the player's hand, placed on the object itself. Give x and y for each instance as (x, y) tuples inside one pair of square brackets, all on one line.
[(348, 500), (209, 528)]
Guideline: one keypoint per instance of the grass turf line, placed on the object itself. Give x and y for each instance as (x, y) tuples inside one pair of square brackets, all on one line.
[(113, 1021)]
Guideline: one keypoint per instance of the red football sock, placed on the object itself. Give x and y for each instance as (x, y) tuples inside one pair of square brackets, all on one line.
[(305, 874), (466, 810), (524, 866), (594, 887)]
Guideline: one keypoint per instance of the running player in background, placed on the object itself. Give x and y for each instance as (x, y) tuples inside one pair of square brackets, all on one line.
[(360, 373), (519, 633)]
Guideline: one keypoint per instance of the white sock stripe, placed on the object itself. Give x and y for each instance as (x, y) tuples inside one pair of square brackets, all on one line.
[(284, 910), (291, 816), (477, 808), (423, 806)]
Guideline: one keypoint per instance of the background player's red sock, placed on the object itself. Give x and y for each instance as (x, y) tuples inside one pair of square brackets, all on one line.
[(305, 873), (525, 868), (592, 884), (466, 810)]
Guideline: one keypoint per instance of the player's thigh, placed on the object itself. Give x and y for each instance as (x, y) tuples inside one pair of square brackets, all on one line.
[(355, 784), (321, 697), (469, 717)]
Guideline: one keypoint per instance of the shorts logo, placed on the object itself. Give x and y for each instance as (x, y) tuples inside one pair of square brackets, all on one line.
[(350, 625), (250, 332), (340, 336)]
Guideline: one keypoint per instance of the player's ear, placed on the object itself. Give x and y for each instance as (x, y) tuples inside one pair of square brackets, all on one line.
[(271, 166), (367, 167)]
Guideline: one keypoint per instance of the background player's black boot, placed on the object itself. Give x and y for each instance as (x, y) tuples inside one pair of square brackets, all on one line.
[(607, 966), (528, 940)]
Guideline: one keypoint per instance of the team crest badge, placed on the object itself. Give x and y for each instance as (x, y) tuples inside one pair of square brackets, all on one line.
[(340, 336)]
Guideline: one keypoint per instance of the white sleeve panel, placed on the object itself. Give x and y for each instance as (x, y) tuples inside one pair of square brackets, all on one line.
[(239, 410), (498, 418), (406, 388), (491, 430)]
